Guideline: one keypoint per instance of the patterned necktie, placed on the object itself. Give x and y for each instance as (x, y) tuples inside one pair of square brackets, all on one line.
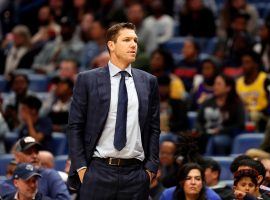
[(120, 137)]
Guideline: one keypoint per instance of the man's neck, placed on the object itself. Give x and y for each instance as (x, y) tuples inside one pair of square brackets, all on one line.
[(23, 197), (119, 64), (249, 79)]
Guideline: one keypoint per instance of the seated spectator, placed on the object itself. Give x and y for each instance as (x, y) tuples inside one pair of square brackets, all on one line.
[(37, 127), (100, 60), (253, 89), (59, 108), (203, 84), (245, 184), (10, 168), (135, 14), (230, 9), (19, 90), (161, 23), (230, 49), (161, 64), (48, 29), (262, 47), (245, 162), (173, 112), (55, 51), (266, 164), (58, 9), (168, 164), (212, 174), (196, 20), (19, 47), (190, 185), (50, 184), (83, 29), (25, 179), (189, 64), (47, 160), (220, 118), (68, 69), (96, 45)]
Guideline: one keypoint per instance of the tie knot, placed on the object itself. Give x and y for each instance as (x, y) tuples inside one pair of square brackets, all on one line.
[(123, 74)]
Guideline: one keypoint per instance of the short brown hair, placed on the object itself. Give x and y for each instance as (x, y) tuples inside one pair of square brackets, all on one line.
[(112, 32)]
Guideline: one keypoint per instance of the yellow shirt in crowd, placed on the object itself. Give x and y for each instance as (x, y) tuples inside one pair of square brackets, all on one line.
[(253, 95)]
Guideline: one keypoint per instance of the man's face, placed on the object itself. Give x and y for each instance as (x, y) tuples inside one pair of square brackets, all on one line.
[(166, 153), (26, 188), (25, 113), (28, 156), (124, 49), (189, 51), (20, 85), (44, 15), (248, 65), (211, 177), (97, 31), (63, 90), (67, 69), (135, 14)]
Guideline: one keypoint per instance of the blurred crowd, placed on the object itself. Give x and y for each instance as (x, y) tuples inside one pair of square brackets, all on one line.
[(211, 59)]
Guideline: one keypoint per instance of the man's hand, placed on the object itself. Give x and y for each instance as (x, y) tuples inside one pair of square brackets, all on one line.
[(81, 174), (150, 174), (239, 194)]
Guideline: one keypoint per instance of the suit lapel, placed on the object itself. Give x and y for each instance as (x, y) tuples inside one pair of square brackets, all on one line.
[(141, 88)]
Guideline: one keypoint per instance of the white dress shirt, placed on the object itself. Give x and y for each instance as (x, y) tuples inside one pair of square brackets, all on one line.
[(133, 149)]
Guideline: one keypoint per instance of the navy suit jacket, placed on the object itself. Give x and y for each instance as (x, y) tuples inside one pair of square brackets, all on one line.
[(89, 111)]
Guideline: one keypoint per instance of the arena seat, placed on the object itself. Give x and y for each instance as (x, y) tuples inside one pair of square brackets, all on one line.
[(59, 141), (3, 84), (245, 141), (192, 117), (60, 162), (38, 82), (4, 161)]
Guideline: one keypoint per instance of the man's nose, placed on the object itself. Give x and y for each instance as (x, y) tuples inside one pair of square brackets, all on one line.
[(133, 44)]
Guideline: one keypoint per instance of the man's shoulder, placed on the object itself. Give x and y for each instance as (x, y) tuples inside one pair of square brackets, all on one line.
[(94, 72), (9, 196), (48, 173), (143, 73), (6, 187)]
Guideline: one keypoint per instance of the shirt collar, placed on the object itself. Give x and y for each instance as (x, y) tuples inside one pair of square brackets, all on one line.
[(114, 70)]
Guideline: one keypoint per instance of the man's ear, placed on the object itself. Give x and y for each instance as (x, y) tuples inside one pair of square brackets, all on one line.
[(110, 45), (260, 178), (15, 182)]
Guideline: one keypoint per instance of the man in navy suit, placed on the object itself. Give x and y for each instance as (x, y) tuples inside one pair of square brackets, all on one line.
[(113, 126)]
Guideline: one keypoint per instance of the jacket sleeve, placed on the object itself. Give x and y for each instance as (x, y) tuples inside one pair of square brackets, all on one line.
[(76, 124), (152, 159)]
